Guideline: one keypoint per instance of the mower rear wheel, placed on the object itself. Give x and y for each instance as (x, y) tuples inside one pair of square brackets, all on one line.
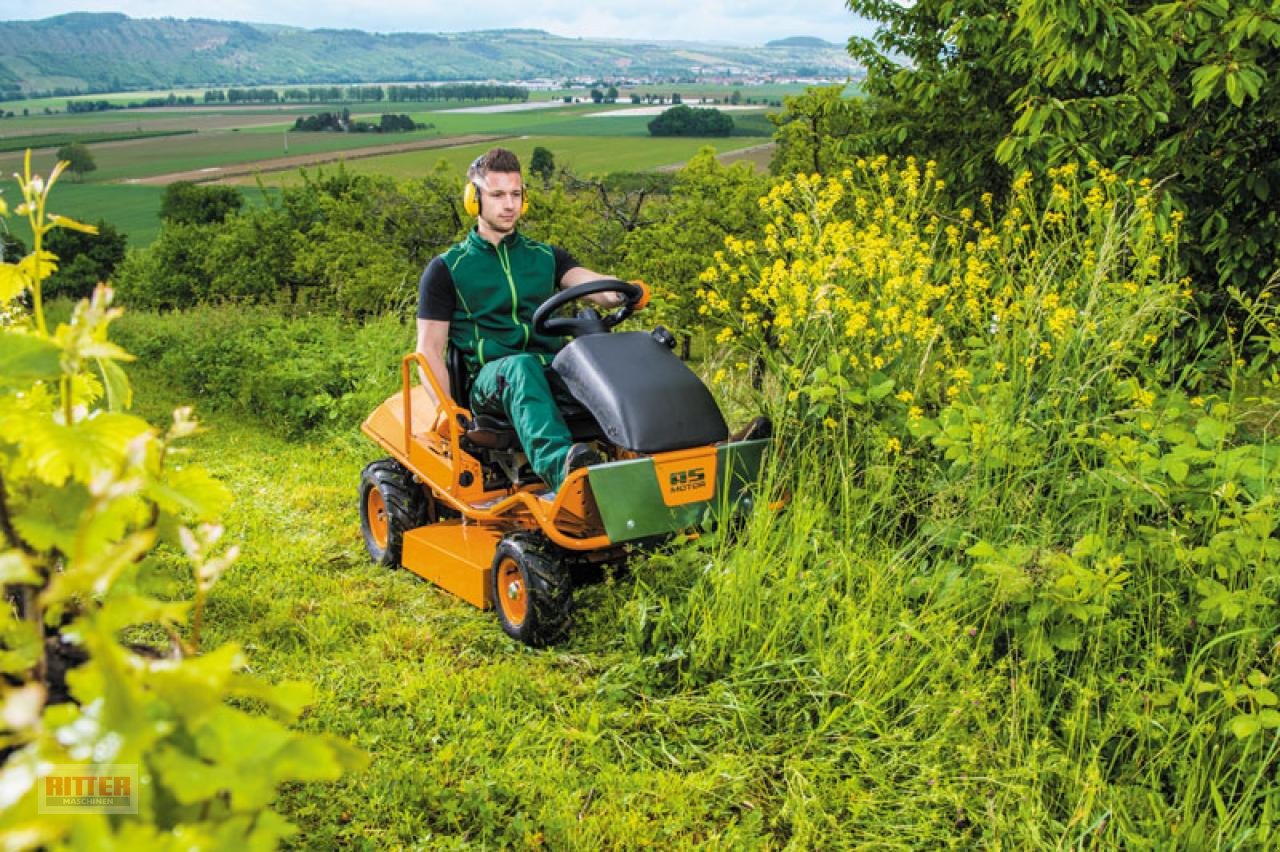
[(532, 590), (391, 504)]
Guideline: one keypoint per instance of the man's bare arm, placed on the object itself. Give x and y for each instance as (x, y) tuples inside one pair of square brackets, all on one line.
[(433, 337), (581, 275)]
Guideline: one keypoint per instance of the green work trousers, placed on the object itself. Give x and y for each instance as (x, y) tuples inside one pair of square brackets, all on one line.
[(516, 388)]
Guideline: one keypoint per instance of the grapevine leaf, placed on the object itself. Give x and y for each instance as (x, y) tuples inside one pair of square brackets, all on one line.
[(12, 282), (119, 391), (15, 568), (190, 490), (93, 573), (27, 358)]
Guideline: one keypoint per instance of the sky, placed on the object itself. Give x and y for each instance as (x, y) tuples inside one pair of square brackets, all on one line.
[(747, 22)]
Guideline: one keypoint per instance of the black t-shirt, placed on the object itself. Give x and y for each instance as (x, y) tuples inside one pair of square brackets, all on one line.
[(437, 297)]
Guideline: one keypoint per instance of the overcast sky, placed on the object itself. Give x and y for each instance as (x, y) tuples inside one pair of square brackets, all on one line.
[(751, 22)]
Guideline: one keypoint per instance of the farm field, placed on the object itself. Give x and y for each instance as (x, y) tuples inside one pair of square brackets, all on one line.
[(581, 155), (585, 137), (134, 210)]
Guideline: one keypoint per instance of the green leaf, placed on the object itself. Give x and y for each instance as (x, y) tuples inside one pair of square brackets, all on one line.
[(1210, 431), (1245, 726), (1087, 546), (1177, 469), (881, 390), (289, 698), (14, 568), (12, 282), (82, 450), (51, 518), (27, 358), (190, 490), (119, 391), (982, 550), (1269, 718), (93, 573)]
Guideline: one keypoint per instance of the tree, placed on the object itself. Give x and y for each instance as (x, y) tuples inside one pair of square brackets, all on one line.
[(989, 87), (84, 259), (597, 96), (708, 202), (611, 94), (196, 204), (79, 159), (542, 163), (688, 121), (814, 131)]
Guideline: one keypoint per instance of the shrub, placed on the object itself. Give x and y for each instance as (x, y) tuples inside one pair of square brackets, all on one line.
[(194, 204), (84, 259), (293, 374)]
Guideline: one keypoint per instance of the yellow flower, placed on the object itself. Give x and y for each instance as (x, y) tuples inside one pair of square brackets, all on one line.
[(905, 396), (829, 423), (893, 445)]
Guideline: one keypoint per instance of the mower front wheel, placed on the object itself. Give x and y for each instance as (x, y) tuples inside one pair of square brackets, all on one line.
[(391, 504), (532, 590)]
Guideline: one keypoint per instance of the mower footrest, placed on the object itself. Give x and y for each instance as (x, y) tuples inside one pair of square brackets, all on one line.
[(456, 557)]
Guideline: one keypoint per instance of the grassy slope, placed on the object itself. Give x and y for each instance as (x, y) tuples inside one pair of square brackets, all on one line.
[(474, 739)]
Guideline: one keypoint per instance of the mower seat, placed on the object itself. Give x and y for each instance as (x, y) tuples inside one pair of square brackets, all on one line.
[(496, 433)]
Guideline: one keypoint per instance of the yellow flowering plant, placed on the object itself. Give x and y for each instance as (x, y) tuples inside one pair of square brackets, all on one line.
[(868, 293)]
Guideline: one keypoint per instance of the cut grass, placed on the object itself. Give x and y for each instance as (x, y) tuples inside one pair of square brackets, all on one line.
[(474, 740)]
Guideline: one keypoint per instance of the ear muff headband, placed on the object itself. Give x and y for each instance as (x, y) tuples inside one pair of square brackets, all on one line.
[(471, 199)]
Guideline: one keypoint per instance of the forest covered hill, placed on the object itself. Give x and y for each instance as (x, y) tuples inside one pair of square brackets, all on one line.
[(98, 52)]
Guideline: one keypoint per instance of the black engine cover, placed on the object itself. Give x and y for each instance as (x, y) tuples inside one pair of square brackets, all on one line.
[(643, 396)]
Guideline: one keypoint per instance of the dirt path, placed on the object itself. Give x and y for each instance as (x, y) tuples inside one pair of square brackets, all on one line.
[(279, 164)]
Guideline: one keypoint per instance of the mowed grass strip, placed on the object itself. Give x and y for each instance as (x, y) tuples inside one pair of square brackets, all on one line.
[(474, 739), (582, 155)]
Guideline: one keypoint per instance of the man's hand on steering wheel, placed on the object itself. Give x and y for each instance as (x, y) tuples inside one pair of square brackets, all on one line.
[(635, 295)]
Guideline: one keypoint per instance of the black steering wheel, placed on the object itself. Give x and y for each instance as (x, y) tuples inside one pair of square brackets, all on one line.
[(587, 321)]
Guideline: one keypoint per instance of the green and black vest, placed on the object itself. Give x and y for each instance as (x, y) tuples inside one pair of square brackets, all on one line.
[(498, 288)]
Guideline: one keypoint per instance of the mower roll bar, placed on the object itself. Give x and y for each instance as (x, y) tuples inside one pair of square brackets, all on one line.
[(544, 514)]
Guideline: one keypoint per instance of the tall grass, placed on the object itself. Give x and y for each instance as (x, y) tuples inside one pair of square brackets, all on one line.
[(1024, 591)]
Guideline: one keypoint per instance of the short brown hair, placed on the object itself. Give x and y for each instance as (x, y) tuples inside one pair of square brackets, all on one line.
[(493, 160)]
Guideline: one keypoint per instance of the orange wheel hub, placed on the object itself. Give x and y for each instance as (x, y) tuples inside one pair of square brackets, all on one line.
[(376, 509), (513, 597)]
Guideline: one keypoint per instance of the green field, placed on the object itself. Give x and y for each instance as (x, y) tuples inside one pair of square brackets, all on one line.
[(220, 136), (580, 155), (134, 210)]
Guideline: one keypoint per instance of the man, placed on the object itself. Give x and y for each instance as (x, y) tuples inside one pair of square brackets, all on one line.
[(480, 296)]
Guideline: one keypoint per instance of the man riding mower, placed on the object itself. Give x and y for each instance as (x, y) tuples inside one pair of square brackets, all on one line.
[(517, 459)]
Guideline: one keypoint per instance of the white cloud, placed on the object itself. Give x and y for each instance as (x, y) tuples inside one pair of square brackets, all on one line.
[(734, 21)]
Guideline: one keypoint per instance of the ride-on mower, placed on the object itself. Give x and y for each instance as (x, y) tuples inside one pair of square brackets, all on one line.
[(460, 506)]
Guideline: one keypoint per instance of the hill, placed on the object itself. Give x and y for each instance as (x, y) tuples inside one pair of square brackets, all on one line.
[(100, 52), (802, 41)]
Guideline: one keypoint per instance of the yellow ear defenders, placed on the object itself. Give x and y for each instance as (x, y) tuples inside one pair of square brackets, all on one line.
[(471, 194)]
